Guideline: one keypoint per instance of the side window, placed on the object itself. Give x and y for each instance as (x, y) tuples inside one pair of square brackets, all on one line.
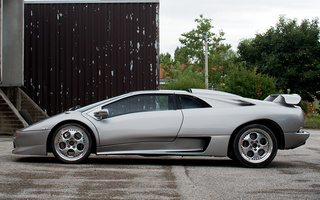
[(140, 103), (189, 102)]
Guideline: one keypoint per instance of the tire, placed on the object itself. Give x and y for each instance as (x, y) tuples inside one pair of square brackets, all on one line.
[(26, 116), (71, 143), (255, 146)]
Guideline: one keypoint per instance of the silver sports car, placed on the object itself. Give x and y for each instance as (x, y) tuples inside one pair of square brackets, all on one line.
[(194, 123)]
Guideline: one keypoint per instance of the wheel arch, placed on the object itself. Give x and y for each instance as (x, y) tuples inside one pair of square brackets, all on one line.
[(273, 126), (55, 128)]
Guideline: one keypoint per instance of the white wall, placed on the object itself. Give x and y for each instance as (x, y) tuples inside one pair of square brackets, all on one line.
[(12, 42)]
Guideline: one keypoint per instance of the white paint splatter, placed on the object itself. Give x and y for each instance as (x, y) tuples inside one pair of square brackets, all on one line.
[(59, 15), (131, 65), (138, 46)]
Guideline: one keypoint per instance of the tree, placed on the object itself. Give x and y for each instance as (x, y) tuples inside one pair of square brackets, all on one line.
[(180, 55), (289, 52), (192, 48), (165, 59), (166, 64)]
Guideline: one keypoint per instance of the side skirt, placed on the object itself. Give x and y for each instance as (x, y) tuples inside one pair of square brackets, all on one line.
[(177, 146), (206, 146)]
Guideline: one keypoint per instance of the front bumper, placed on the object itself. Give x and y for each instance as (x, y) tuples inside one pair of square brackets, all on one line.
[(30, 142), (293, 140)]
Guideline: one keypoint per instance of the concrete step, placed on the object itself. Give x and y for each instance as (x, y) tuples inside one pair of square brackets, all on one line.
[(9, 130), (9, 116), (12, 119)]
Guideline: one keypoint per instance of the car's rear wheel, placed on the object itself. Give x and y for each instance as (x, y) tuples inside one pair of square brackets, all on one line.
[(255, 146), (71, 143)]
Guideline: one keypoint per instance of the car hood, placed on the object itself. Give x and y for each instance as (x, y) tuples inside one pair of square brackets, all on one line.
[(50, 122)]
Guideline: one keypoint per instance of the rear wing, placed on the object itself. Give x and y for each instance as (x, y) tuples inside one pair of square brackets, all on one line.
[(290, 99)]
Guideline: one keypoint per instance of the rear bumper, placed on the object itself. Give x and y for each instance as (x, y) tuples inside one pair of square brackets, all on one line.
[(293, 140)]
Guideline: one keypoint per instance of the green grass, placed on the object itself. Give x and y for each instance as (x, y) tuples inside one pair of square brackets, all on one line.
[(312, 121)]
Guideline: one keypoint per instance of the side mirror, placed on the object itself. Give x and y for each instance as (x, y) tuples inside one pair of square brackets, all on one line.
[(101, 114)]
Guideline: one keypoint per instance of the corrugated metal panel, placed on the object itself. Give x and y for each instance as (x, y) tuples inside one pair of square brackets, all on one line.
[(91, 1), (77, 54)]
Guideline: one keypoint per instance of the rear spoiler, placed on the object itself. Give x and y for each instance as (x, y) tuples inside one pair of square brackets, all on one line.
[(291, 99)]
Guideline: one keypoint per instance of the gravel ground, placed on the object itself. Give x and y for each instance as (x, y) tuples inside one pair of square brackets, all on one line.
[(294, 174)]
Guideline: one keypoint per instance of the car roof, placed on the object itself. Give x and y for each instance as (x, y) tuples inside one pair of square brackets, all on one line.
[(159, 92)]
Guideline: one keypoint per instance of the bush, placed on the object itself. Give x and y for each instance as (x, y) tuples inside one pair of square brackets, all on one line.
[(248, 83), (304, 106), (312, 121), (184, 79)]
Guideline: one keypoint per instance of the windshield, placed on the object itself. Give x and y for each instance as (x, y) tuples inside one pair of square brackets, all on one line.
[(88, 107)]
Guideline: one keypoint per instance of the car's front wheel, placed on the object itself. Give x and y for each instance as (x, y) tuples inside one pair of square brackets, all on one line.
[(71, 143), (255, 146)]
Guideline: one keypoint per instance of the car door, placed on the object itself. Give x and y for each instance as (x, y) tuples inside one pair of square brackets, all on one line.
[(197, 117), (140, 118)]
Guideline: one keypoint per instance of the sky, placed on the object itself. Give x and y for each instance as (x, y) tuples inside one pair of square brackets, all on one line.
[(239, 19)]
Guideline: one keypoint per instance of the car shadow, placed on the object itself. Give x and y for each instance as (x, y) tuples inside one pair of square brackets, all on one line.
[(152, 160), (165, 161), (33, 159), (139, 160)]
